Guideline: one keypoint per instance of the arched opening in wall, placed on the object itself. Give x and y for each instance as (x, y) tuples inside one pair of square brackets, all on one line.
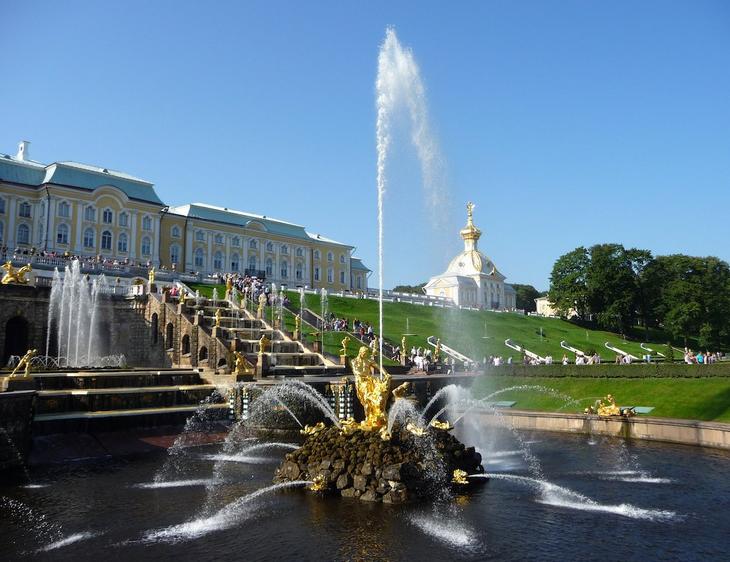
[(186, 345), (16, 338), (169, 334), (203, 354), (222, 362), (105, 340), (153, 327)]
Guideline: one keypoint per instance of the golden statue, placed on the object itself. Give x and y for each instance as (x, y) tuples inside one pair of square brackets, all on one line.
[(344, 343), (312, 429), (372, 391), (229, 286), (25, 362), (374, 348), (459, 477), (297, 327), (318, 483), (262, 305), (403, 349), (444, 426), (243, 366), (609, 407), (13, 275), (263, 344), (349, 425), (151, 275), (218, 315), (401, 391), (415, 430), (470, 213), (437, 353)]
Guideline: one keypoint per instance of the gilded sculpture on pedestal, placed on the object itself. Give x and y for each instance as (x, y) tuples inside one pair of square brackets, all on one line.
[(151, 275), (13, 275), (262, 305), (229, 286), (297, 327), (242, 366), (25, 361), (263, 344), (437, 353), (345, 341), (218, 316)]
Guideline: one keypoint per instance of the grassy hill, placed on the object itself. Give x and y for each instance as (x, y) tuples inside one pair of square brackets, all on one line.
[(474, 333)]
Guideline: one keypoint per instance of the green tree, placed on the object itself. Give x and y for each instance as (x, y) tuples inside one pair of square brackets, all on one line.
[(568, 288), (415, 289), (611, 287), (526, 295)]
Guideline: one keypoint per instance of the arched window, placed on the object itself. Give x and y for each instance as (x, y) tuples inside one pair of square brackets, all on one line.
[(62, 234), (252, 244), (64, 210), (269, 246), (199, 258), (175, 231), (123, 219), (90, 214), (299, 271), (24, 210), (218, 239), (300, 252), (252, 263), (107, 217), (146, 246), (284, 249), (316, 254), (316, 273), (330, 257), (235, 241), (330, 275), (153, 328), (89, 238), (342, 258), (284, 269), (269, 267), (175, 254), (234, 262), (218, 261), (203, 354), (200, 235), (342, 277), (106, 240), (185, 345), (169, 335), (122, 243), (146, 223)]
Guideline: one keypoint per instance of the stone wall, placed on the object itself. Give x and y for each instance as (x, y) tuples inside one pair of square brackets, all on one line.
[(24, 314)]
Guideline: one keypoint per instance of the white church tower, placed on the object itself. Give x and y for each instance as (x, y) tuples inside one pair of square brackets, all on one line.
[(472, 279)]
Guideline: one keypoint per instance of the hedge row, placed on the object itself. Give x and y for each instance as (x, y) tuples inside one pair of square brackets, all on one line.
[(610, 370)]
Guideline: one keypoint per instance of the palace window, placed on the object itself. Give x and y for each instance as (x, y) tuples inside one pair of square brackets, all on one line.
[(200, 235), (107, 217), (234, 262), (252, 244), (269, 267), (62, 234), (316, 254), (235, 241), (300, 253), (342, 277), (218, 261), (64, 210), (146, 223), (359, 282), (269, 246), (23, 234), (316, 274), (122, 243), (284, 269), (24, 210), (330, 275), (330, 257), (218, 239), (175, 254), (175, 231), (146, 246), (284, 249), (342, 258), (106, 240), (252, 263), (123, 219), (90, 214), (2, 206), (199, 258), (89, 238), (299, 271)]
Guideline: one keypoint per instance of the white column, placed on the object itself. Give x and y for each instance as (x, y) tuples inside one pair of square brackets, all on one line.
[(209, 259), (133, 235), (227, 255), (35, 214), (188, 257), (12, 212), (156, 240), (78, 247), (51, 234)]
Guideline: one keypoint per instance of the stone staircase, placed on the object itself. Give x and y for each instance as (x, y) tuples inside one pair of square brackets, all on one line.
[(108, 400)]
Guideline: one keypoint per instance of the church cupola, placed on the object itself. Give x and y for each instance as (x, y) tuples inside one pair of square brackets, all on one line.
[(470, 233)]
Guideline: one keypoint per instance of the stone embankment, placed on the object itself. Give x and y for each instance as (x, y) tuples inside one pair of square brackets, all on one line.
[(360, 464)]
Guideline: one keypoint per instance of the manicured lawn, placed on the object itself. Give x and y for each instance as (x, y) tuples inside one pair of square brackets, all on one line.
[(700, 399)]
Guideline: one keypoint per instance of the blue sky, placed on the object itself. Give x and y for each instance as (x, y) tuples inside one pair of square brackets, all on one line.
[(567, 123)]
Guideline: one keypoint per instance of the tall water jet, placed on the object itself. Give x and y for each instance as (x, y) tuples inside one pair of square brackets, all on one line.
[(75, 307), (399, 86)]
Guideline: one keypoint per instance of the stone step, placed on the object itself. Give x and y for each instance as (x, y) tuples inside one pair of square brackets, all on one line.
[(99, 414), (124, 390), (103, 380)]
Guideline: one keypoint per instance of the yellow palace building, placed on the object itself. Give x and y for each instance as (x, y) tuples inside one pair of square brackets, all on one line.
[(91, 211)]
